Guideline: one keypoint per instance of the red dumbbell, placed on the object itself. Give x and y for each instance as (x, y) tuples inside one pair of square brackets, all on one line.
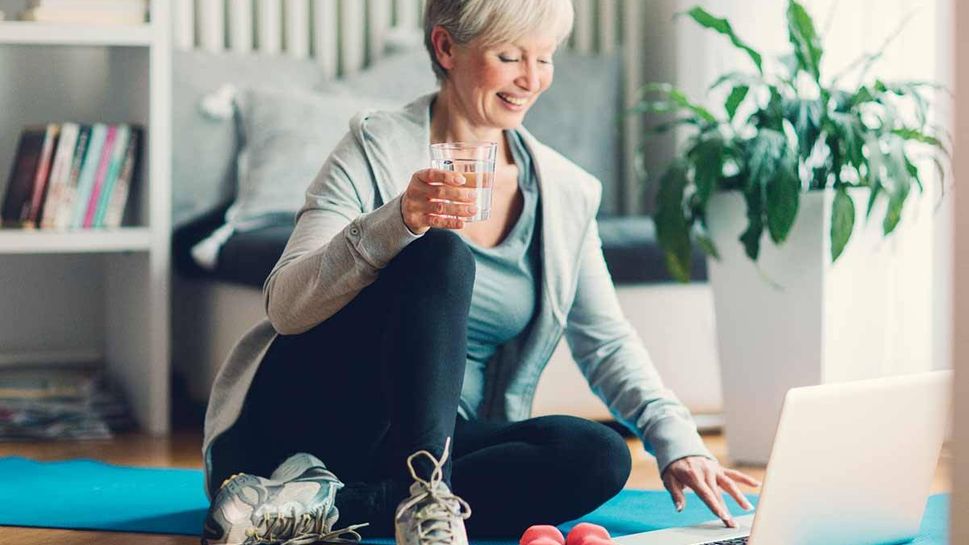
[(542, 534), (586, 533)]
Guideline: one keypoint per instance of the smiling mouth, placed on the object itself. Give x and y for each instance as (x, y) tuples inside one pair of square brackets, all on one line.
[(513, 101)]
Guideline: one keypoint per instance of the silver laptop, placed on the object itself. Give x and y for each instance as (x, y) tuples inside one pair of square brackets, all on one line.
[(852, 464)]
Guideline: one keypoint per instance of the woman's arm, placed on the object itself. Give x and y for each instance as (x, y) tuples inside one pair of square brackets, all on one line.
[(615, 362), (617, 366), (336, 249)]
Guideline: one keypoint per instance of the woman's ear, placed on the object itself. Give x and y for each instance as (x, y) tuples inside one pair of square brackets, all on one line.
[(443, 47)]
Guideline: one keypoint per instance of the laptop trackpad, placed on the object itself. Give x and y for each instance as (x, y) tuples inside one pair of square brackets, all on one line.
[(690, 535)]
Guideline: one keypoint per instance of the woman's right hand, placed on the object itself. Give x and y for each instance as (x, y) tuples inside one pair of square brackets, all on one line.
[(423, 205)]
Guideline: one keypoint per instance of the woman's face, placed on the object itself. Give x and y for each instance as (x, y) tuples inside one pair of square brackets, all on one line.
[(496, 85)]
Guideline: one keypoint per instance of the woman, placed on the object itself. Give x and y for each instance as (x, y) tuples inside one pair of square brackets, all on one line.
[(394, 325)]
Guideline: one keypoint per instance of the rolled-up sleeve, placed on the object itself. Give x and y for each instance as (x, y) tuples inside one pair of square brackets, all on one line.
[(613, 359)]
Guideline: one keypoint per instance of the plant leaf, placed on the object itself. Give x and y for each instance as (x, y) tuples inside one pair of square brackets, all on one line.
[(706, 244), (919, 136), (876, 189), (737, 95), (782, 191), (674, 97), (861, 96), (806, 117), (705, 19), (898, 181), (801, 33), (672, 124), (707, 157), (894, 213), (842, 221), (763, 154), (738, 78), (771, 116), (848, 129), (672, 225), (755, 221)]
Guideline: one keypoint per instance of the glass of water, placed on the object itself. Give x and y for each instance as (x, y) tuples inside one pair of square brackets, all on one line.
[(476, 161)]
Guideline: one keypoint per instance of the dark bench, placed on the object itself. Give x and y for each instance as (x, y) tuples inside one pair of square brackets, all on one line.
[(628, 244)]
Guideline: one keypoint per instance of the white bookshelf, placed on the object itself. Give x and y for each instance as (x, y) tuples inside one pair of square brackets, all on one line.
[(97, 294), (24, 32), (128, 239)]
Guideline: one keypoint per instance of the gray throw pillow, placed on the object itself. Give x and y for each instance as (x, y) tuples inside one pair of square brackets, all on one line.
[(287, 137), (398, 78), (204, 146)]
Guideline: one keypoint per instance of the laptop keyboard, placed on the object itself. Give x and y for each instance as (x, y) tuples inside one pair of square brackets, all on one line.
[(734, 541)]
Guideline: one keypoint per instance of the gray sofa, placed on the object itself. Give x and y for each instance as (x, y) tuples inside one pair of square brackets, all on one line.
[(215, 302)]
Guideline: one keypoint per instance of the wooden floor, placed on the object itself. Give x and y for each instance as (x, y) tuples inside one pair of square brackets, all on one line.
[(183, 450)]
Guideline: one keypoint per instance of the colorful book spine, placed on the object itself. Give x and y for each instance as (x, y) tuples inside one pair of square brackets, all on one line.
[(59, 174), (119, 196), (85, 183), (65, 208), (106, 153), (117, 160), (21, 181), (32, 216)]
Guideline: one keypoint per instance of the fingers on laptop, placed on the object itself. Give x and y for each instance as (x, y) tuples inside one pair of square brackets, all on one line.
[(695, 479), (676, 491), (728, 484), (714, 500), (742, 478)]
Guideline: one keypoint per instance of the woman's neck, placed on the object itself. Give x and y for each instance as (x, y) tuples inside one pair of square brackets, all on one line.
[(450, 124)]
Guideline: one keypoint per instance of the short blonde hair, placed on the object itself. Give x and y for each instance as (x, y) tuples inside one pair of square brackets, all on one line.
[(494, 21)]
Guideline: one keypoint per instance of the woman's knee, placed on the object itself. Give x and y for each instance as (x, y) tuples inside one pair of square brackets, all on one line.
[(439, 258), (598, 456)]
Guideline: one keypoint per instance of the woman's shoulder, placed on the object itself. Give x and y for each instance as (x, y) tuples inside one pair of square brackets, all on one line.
[(381, 122)]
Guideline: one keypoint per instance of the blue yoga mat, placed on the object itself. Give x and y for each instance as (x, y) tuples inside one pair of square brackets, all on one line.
[(92, 495)]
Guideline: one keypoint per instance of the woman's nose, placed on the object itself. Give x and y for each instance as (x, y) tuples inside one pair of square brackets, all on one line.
[(529, 79)]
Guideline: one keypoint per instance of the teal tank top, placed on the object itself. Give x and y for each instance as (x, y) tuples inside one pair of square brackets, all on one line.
[(505, 285)]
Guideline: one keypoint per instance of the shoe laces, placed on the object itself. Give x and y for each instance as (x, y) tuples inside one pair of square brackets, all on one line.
[(304, 528), (434, 519)]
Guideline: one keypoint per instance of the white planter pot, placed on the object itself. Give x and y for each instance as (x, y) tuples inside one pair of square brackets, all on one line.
[(795, 319)]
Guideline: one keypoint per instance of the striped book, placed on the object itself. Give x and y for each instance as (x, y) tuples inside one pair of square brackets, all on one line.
[(111, 179), (85, 182), (60, 173), (107, 152)]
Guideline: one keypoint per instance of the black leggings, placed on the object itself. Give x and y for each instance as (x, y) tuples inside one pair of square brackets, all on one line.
[(381, 379)]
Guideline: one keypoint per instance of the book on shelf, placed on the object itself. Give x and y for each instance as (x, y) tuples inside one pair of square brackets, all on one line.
[(71, 176), (51, 135), (111, 209), (88, 208), (20, 186), (123, 12), (60, 171)]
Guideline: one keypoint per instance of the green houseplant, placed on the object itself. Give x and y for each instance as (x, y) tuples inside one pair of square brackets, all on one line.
[(783, 129)]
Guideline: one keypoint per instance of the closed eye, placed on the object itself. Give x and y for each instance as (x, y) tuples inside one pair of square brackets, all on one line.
[(506, 59)]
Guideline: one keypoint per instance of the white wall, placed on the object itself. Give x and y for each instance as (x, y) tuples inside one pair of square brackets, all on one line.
[(960, 499)]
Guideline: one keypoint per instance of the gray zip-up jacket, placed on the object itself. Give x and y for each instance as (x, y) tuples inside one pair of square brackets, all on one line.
[(351, 227)]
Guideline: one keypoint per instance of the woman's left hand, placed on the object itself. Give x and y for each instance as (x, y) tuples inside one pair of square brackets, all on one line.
[(707, 478)]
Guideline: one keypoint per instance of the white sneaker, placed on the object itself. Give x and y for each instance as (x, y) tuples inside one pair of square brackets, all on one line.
[(432, 515), (295, 506)]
